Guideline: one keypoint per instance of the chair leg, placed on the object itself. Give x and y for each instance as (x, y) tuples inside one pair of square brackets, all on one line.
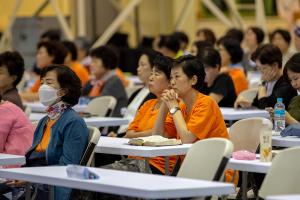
[(253, 185), (27, 191), (51, 192)]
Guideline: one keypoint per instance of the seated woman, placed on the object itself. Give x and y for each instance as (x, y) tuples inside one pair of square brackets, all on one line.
[(219, 86), (16, 130), (186, 113), (198, 47), (282, 39), (62, 129), (254, 36), (200, 116), (268, 60), (16, 133), (47, 53), (105, 82), (11, 73), (206, 34), (291, 72), (143, 123), (71, 61), (143, 94), (231, 57)]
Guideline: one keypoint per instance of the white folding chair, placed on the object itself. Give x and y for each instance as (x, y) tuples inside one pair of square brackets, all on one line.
[(94, 136), (249, 94), (102, 106), (284, 175), (244, 134), (206, 159)]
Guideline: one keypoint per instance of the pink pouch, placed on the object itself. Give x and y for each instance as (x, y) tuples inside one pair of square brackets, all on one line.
[(244, 155)]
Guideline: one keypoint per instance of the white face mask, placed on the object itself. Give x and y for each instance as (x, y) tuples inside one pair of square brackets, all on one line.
[(47, 95)]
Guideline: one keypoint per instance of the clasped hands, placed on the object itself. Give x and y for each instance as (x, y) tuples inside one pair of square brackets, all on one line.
[(170, 98)]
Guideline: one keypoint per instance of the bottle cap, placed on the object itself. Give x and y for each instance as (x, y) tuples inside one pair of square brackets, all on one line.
[(279, 100)]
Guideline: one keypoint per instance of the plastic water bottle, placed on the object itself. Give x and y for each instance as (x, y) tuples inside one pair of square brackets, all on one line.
[(279, 116), (266, 142)]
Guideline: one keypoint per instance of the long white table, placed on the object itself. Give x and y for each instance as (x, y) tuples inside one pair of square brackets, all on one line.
[(9, 159), (122, 183), (289, 141), (120, 146), (237, 114), (90, 121), (284, 197), (38, 107), (248, 166)]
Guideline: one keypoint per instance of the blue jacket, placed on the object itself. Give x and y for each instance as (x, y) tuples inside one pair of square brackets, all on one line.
[(68, 141)]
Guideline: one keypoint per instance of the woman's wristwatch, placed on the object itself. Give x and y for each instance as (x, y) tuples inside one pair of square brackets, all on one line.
[(174, 109)]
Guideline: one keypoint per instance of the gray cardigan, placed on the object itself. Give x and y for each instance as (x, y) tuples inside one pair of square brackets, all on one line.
[(112, 87)]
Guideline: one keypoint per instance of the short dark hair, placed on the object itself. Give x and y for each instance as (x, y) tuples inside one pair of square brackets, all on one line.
[(293, 64), (192, 66), (233, 47), (284, 34), (151, 54), (201, 45), (259, 33), (55, 49), (52, 35), (163, 64), (210, 57), (71, 47), (161, 41), (14, 63), (172, 43), (67, 80), (182, 36), (268, 54), (236, 34), (209, 35), (107, 55)]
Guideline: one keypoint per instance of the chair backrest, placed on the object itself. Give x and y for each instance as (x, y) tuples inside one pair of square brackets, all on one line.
[(283, 177), (94, 136), (245, 133), (206, 159), (249, 94), (102, 106)]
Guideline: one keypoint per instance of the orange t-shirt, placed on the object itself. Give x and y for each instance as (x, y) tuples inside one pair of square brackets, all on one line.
[(81, 72), (36, 86), (145, 120), (42, 146), (239, 80), (205, 119), (122, 77)]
